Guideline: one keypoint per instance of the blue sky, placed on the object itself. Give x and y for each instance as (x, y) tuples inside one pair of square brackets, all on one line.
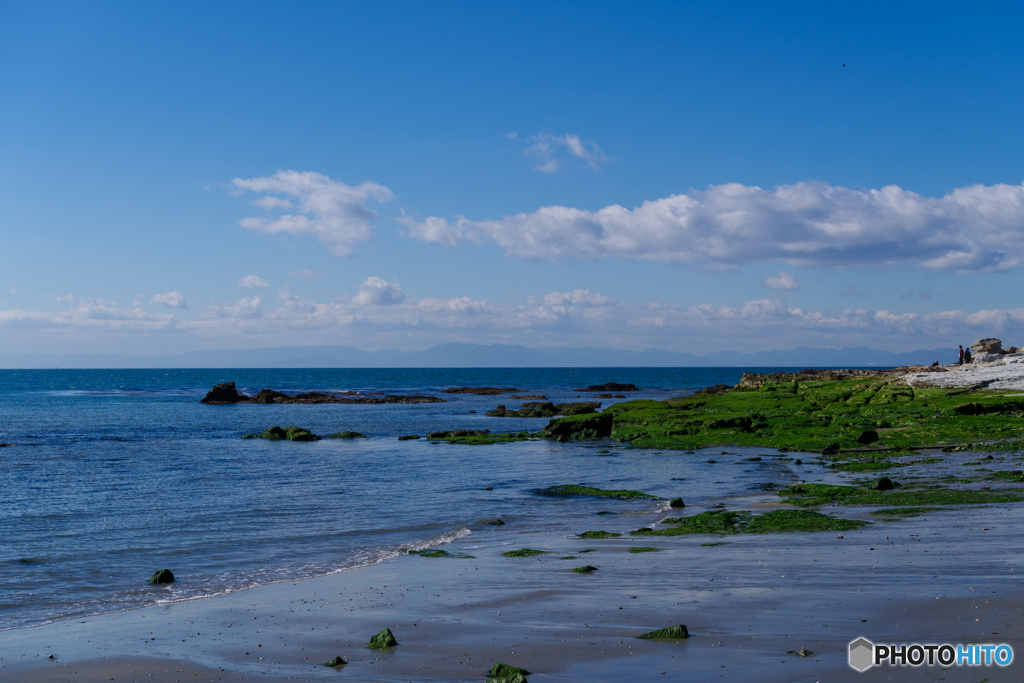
[(685, 177)]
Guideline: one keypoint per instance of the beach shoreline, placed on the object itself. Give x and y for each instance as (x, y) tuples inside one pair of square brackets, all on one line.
[(746, 602)]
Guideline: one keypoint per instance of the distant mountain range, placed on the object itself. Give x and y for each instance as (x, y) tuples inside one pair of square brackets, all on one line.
[(479, 356)]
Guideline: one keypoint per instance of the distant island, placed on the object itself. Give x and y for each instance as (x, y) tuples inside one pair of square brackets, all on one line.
[(457, 355)]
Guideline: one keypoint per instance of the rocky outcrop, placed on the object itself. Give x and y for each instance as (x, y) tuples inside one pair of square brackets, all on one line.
[(383, 640), (987, 345), (987, 357), (546, 409), (227, 394), (224, 394), (595, 426), (610, 386)]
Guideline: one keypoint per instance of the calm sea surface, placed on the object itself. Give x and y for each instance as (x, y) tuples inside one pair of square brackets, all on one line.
[(117, 473)]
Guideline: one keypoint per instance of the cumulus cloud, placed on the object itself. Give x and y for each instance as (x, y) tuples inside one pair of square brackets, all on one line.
[(552, 151), (784, 281), (378, 291), (243, 309), (329, 210), (305, 274), (252, 282), (170, 300), (977, 228)]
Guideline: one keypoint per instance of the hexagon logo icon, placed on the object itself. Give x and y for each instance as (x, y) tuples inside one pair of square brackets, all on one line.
[(862, 654)]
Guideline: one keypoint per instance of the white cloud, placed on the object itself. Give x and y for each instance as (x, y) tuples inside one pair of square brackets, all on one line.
[(306, 274), (577, 297), (252, 282), (551, 151), (378, 291), (972, 229), (170, 300), (329, 210), (243, 309), (784, 281)]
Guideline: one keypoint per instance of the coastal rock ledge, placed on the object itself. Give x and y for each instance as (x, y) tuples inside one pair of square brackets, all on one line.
[(227, 394)]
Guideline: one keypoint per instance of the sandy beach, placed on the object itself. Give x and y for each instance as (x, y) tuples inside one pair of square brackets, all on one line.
[(747, 601)]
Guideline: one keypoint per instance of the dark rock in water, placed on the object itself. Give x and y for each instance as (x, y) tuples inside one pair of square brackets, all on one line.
[(267, 396), (537, 397), (336, 662), (676, 503), (605, 396), (754, 459), (711, 461), (884, 484), (489, 488), (672, 632), (585, 569), (351, 435), (162, 576), (830, 449), (502, 670), (610, 386), (382, 640), (868, 436), (289, 433), (481, 391), (802, 652), (408, 437), (545, 409), (224, 394), (496, 522)]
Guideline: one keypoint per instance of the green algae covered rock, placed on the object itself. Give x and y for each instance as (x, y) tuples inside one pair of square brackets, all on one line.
[(585, 569), (383, 640), (729, 522), (677, 632), (162, 576), (524, 552), (644, 549), (576, 427), (565, 490), (409, 437), (336, 662), (348, 435), (502, 670)]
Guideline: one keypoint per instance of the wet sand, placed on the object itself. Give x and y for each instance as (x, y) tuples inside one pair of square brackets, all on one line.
[(950, 577)]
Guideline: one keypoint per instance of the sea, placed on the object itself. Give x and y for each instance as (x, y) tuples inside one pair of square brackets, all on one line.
[(111, 475)]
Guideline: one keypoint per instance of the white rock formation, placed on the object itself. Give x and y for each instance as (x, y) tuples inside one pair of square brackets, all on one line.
[(1006, 373)]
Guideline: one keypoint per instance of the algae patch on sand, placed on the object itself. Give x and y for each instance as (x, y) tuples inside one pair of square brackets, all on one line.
[(524, 552), (728, 522), (598, 534), (644, 549), (678, 632)]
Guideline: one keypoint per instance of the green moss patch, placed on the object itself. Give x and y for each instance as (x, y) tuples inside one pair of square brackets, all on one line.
[(441, 553), (585, 569), (502, 670), (598, 534), (810, 495), (645, 549), (478, 437), (383, 640), (678, 632), (565, 490), (728, 522), (524, 552), (348, 435)]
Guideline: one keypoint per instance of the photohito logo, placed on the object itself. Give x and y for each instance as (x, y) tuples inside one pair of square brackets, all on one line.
[(863, 654)]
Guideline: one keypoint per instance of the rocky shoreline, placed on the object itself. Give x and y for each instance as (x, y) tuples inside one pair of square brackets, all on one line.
[(227, 394)]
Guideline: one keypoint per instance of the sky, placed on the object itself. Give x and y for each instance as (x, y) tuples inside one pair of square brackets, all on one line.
[(687, 177)]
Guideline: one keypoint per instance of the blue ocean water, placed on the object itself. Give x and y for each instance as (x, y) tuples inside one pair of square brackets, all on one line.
[(117, 473)]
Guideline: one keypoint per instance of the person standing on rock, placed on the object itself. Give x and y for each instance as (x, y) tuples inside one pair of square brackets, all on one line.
[(960, 361), (967, 355)]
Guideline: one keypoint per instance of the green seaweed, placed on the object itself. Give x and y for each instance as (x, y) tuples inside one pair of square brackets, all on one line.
[(502, 670), (644, 549), (791, 413), (336, 662), (585, 569), (479, 437), (409, 437), (565, 490), (811, 495), (678, 632), (347, 435), (712, 545), (598, 534), (728, 522), (524, 552)]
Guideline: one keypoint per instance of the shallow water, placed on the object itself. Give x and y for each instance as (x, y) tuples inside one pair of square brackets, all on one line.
[(118, 473)]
